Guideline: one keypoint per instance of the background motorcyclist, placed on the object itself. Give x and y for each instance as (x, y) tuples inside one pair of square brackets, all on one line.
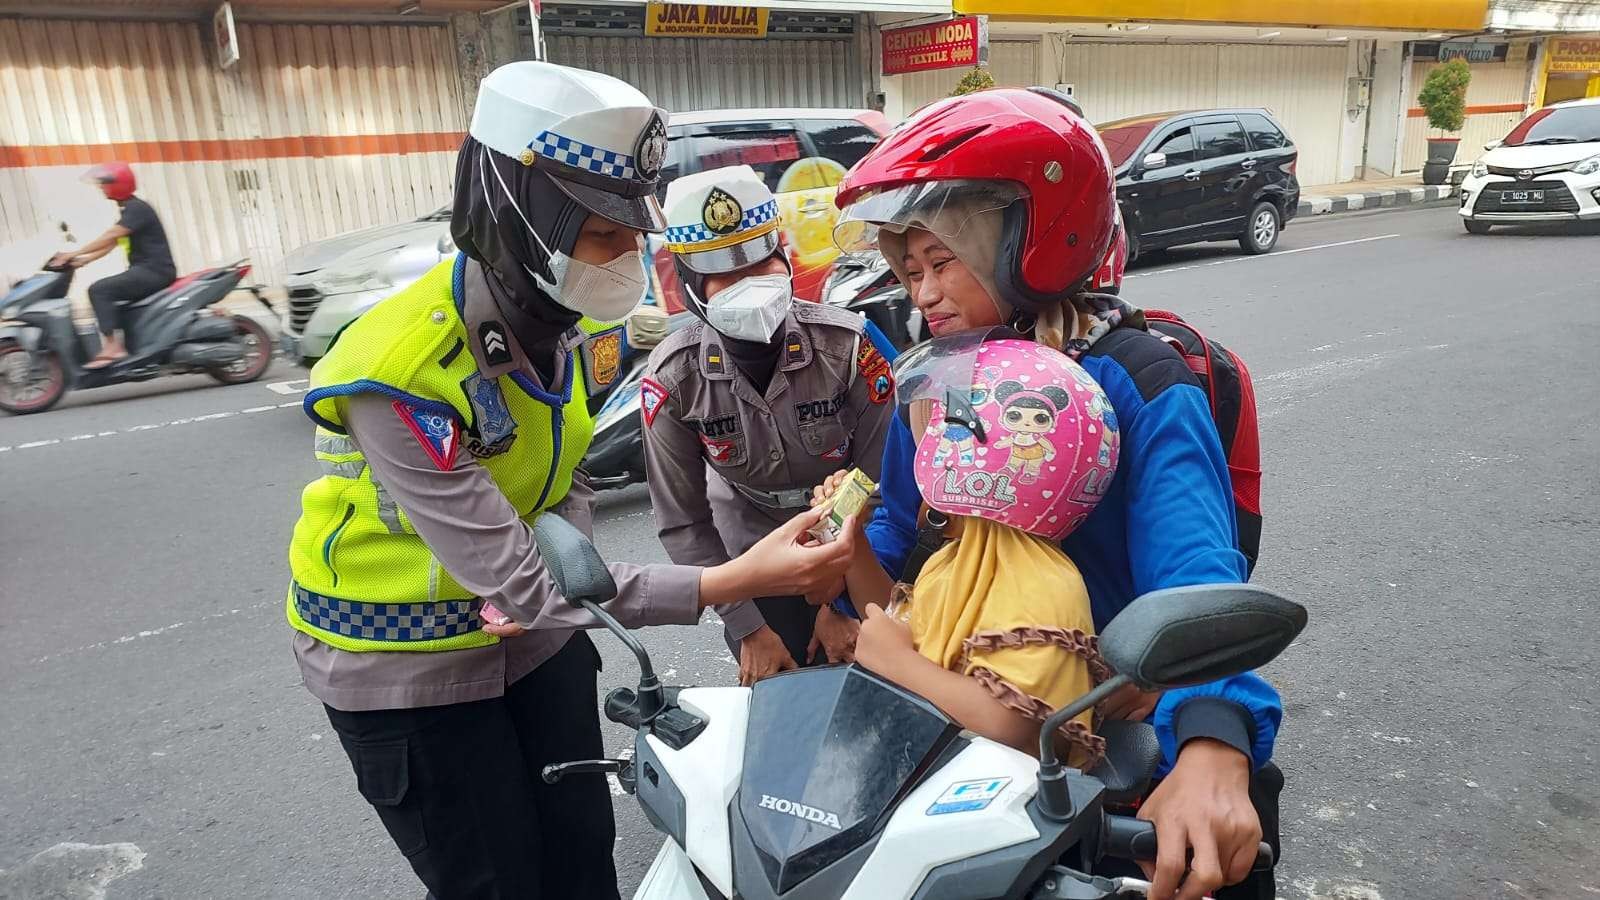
[(150, 268)]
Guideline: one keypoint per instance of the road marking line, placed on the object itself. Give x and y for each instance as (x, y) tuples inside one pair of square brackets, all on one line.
[(1273, 255), (152, 426), (157, 632), (288, 387)]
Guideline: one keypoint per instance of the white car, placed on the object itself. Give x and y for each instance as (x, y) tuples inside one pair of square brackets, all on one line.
[(1546, 170)]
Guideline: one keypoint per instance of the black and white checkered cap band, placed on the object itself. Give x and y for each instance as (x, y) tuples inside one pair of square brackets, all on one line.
[(583, 156)]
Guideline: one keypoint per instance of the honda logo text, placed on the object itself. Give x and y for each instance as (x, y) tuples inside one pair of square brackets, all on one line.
[(801, 811)]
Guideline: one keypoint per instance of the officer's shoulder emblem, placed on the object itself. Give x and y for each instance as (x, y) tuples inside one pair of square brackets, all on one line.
[(436, 432), (721, 212), (493, 429), (874, 369), (602, 359), (652, 396)]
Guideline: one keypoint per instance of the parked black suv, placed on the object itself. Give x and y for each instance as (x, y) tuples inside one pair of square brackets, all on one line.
[(1219, 174)]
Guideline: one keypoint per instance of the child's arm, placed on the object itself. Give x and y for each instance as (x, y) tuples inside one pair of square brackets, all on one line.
[(884, 646), (866, 581)]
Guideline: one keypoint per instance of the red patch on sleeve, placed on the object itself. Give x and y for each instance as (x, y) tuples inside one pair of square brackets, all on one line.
[(720, 450), (874, 370), (652, 396), (438, 434)]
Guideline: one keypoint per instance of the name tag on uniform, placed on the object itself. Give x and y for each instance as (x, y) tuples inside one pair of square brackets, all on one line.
[(602, 360)]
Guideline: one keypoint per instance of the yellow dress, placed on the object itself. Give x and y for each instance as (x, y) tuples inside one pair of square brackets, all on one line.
[(1010, 610)]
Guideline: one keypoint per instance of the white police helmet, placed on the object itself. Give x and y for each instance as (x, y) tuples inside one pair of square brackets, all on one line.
[(721, 220), (598, 138)]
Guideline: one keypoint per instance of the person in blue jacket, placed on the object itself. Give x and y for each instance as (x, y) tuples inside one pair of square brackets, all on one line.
[(998, 208)]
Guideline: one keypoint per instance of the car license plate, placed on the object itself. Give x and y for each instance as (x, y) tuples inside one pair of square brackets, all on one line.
[(1524, 196)]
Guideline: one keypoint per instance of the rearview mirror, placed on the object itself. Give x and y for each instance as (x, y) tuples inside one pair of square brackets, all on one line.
[(1154, 161), (1493, 144), (1192, 635), (575, 565)]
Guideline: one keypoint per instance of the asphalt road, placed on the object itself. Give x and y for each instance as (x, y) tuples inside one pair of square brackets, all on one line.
[(1430, 438)]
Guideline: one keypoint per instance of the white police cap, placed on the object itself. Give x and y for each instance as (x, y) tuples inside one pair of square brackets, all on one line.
[(600, 139), (721, 220)]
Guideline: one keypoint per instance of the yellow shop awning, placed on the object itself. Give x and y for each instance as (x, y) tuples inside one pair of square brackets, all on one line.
[(1411, 15)]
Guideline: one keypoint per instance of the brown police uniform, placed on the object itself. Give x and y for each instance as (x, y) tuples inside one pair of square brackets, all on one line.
[(727, 465)]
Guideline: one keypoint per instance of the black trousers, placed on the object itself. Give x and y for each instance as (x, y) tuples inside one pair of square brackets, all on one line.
[(459, 790), (108, 295), (794, 621), (1265, 787)]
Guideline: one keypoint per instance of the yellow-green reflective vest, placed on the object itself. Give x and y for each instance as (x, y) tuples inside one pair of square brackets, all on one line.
[(363, 579)]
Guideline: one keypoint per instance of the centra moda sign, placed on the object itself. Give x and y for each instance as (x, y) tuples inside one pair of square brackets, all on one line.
[(1575, 55), (703, 21), (958, 43)]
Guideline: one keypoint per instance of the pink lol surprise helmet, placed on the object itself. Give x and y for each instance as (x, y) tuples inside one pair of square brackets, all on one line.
[(1015, 432)]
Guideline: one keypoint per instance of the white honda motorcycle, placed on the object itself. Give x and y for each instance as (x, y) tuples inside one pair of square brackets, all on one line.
[(834, 784)]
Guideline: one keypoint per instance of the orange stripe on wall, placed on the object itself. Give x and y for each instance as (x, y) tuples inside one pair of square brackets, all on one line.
[(217, 150), (1417, 112)]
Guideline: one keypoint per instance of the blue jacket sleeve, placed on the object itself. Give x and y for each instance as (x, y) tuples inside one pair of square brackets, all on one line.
[(893, 529), (1181, 531)]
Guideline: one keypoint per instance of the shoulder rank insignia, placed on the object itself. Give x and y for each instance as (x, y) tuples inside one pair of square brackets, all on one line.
[(602, 359)]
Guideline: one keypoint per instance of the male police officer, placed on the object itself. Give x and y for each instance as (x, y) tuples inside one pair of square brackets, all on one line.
[(746, 411), (450, 416)]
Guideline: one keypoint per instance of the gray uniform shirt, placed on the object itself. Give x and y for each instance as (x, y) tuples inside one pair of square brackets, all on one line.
[(476, 535), (727, 465)]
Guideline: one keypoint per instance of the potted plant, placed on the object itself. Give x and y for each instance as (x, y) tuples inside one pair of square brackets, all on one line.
[(976, 80), (1444, 100)]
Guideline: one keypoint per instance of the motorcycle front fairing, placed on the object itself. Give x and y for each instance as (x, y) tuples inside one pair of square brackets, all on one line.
[(834, 783)]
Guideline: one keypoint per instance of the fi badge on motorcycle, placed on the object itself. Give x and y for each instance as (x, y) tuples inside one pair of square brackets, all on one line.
[(968, 796)]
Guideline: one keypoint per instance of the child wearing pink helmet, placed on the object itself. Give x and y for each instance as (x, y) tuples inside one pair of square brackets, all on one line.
[(997, 630)]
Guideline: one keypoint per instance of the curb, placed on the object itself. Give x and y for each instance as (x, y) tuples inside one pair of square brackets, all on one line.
[(1403, 196)]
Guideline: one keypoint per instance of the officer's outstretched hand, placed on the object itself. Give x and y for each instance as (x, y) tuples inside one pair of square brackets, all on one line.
[(788, 561)]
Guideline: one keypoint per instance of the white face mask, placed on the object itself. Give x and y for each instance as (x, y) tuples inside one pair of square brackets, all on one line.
[(607, 293), (751, 309)]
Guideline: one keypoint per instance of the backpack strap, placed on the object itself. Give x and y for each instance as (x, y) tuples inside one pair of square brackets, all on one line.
[(930, 537)]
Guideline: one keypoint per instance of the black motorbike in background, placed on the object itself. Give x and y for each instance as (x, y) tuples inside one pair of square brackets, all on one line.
[(173, 331)]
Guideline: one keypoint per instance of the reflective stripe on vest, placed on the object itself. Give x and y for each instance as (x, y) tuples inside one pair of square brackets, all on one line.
[(398, 622)]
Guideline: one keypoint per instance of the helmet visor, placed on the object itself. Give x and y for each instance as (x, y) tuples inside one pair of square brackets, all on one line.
[(945, 370), (941, 207)]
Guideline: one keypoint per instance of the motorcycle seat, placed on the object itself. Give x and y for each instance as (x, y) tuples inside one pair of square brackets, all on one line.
[(176, 286)]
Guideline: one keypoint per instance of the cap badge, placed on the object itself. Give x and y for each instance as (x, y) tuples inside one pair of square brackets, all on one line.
[(721, 212), (525, 157), (652, 150)]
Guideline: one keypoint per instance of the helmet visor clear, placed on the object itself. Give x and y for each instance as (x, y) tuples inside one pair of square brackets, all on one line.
[(945, 370), (941, 207)]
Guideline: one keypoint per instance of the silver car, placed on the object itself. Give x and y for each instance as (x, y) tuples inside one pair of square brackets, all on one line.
[(331, 282)]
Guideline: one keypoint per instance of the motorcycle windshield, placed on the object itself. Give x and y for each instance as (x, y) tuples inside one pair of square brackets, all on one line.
[(830, 753)]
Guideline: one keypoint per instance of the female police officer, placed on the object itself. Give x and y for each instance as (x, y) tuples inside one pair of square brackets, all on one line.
[(746, 411), (405, 537)]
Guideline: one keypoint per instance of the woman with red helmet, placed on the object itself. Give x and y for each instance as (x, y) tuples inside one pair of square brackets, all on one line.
[(998, 208), (150, 267)]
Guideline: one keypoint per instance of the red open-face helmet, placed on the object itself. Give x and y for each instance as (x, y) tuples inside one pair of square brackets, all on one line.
[(115, 178), (1025, 152)]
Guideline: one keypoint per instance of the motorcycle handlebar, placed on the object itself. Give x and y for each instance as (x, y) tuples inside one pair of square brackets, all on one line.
[(1128, 838)]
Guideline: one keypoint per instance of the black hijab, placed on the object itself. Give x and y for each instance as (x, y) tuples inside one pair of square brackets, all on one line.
[(487, 226)]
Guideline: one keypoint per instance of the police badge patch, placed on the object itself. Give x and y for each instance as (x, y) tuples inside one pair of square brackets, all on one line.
[(721, 212), (602, 359), (493, 429), (652, 149), (651, 396)]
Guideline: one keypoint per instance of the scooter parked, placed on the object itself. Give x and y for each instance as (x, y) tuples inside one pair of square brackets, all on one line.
[(835, 783), (42, 354)]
